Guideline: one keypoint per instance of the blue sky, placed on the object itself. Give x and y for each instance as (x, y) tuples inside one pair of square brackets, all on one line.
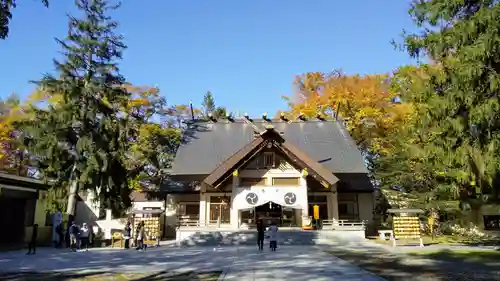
[(246, 52)]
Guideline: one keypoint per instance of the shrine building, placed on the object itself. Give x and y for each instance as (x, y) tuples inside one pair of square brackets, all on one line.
[(236, 170)]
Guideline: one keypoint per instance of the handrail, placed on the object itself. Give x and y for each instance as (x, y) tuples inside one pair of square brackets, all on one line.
[(196, 223), (339, 224)]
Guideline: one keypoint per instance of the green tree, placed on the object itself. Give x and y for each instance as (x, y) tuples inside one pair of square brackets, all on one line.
[(84, 140), (6, 7), (220, 112), (208, 104), (152, 153), (456, 135), (209, 107)]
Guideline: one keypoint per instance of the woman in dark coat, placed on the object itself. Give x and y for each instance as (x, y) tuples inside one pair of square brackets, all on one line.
[(260, 234), (127, 232)]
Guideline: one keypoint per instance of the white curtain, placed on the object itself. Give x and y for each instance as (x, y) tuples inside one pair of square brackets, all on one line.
[(290, 197)]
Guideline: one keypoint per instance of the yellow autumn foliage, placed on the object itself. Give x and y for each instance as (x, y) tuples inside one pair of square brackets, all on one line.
[(363, 102)]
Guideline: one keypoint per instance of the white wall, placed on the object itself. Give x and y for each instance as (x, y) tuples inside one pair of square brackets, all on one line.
[(148, 204), (87, 210)]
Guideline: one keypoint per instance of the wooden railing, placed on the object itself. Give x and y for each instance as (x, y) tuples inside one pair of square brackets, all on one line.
[(327, 224), (343, 224), (196, 223)]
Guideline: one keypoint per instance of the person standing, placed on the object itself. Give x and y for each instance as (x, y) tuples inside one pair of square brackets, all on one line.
[(73, 236), (60, 235), (260, 234), (273, 236), (32, 243), (85, 237), (126, 235), (139, 236)]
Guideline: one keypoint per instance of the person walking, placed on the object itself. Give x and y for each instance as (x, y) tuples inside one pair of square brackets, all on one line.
[(260, 234), (273, 236), (32, 243), (85, 237), (126, 235)]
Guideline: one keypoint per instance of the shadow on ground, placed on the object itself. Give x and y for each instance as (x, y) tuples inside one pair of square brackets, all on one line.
[(104, 276), (153, 260), (245, 238), (294, 263), (425, 266)]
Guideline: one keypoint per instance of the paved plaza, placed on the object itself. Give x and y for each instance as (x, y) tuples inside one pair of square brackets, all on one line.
[(237, 263)]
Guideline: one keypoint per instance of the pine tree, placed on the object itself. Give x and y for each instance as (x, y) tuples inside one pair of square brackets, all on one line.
[(6, 7), (458, 129), (85, 138), (208, 103)]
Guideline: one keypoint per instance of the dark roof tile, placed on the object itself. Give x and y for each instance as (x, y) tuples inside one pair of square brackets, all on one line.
[(209, 144)]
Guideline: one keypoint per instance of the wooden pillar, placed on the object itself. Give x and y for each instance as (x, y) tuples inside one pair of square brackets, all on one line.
[(235, 214), (203, 206)]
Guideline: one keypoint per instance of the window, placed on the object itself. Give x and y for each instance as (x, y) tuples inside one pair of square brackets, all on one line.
[(189, 210), (252, 181), (491, 222), (192, 210), (247, 217), (219, 209), (286, 181), (348, 206), (269, 159), (348, 211)]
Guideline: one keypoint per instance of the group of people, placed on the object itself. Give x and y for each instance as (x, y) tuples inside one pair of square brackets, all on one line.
[(78, 237), (272, 235), (138, 239)]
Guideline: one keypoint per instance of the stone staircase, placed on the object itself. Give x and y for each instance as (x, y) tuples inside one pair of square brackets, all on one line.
[(249, 237)]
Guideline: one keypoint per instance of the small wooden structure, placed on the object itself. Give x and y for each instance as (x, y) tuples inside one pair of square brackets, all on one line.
[(406, 225), (152, 224)]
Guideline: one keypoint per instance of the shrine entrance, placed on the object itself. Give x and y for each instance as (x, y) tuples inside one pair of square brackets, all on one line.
[(271, 211)]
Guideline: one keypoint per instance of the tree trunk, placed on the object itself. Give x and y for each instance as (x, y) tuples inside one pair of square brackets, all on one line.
[(73, 191)]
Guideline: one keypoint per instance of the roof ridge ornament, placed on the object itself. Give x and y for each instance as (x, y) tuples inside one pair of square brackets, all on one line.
[(248, 120), (269, 127)]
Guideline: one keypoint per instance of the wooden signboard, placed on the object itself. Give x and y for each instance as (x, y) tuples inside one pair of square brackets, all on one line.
[(406, 224), (152, 224), (406, 227), (151, 227)]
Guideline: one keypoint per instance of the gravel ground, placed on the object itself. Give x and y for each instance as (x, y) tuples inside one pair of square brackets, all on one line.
[(164, 276)]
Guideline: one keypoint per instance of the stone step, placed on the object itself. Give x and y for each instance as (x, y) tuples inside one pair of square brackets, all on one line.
[(216, 238)]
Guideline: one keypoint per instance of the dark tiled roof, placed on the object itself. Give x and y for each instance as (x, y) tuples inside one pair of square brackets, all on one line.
[(209, 144)]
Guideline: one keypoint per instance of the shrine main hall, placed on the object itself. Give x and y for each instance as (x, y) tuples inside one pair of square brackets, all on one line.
[(233, 171)]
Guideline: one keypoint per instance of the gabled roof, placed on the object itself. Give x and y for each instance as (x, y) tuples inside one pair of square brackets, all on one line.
[(272, 137), (209, 144)]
